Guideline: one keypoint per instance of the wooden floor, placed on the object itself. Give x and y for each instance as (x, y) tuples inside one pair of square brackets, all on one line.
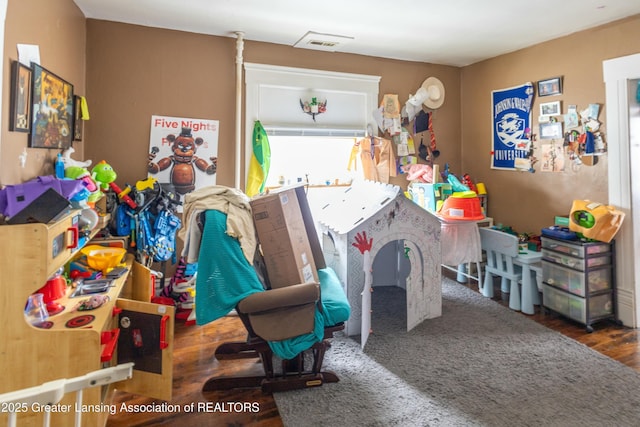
[(194, 364)]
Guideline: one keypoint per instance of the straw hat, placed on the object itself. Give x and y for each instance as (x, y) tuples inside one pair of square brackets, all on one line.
[(435, 93)]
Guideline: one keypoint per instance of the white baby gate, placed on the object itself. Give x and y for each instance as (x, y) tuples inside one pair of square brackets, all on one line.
[(52, 392)]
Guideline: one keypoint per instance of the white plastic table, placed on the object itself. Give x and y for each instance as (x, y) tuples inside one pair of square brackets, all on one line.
[(530, 294)]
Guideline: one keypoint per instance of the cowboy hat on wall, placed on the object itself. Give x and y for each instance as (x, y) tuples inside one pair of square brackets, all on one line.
[(430, 94)]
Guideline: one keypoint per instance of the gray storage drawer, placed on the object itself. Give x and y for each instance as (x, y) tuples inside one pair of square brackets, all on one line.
[(575, 307)]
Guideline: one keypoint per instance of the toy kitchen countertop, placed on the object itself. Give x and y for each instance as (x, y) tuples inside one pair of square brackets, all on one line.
[(77, 312), (78, 342)]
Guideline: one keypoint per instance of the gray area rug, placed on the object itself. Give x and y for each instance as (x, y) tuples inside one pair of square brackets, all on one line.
[(480, 364)]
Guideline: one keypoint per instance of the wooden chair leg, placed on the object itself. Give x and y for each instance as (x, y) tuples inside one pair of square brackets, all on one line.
[(293, 376), (318, 356)]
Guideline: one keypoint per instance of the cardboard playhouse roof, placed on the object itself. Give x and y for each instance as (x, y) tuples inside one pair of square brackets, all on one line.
[(356, 204)]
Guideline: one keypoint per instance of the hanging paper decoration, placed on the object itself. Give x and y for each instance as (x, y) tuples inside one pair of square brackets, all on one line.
[(314, 107), (512, 127)]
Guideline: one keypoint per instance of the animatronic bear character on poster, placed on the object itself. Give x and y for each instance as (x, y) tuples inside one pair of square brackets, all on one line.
[(183, 162)]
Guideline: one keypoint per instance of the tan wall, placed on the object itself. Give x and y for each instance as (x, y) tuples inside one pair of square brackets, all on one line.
[(529, 201), (134, 72), (58, 28)]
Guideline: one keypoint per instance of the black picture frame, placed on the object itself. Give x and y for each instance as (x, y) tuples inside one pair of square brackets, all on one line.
[(549, 87), (78, 123), (51, 110), (20, 115)]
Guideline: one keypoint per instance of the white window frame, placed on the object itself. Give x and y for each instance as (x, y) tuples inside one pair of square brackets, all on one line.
[(263, 80)]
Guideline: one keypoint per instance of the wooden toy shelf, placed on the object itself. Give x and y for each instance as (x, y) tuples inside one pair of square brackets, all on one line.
[(29, 356)]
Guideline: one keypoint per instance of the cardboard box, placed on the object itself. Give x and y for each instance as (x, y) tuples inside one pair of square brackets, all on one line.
[(286, 232)]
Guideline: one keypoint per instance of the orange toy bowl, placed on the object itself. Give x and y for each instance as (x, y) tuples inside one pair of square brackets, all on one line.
[(103, 258), (461, 209)]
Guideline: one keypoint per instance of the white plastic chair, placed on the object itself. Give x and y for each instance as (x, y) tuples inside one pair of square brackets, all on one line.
[(501, 249)]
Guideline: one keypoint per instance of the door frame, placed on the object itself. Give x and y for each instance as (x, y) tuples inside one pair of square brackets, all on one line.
[(624, 146)]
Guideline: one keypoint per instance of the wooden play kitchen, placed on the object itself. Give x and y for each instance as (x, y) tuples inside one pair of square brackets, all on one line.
[(72, 343)]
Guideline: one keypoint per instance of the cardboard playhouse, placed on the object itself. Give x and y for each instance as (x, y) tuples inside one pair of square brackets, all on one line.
[(356, 228)]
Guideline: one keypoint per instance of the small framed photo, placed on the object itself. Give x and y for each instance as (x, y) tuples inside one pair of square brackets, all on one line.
[(550, 87), (551, 130), (20, 115), (550, 108)]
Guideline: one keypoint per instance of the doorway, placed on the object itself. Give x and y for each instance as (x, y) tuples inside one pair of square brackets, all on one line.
[(391, 266), (621, 76)]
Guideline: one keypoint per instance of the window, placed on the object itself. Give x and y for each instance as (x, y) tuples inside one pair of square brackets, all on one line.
[(300, 146), (318, 160)]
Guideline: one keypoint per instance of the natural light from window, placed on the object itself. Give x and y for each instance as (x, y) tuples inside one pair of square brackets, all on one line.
[(319, 159)]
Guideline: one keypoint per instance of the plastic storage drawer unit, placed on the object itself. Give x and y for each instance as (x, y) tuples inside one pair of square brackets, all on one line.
[(575, 307), (579, 279), (576, 281), (577, 263), (576, 250)]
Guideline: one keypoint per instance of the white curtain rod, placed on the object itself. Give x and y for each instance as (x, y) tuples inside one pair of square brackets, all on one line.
[(302, 131)]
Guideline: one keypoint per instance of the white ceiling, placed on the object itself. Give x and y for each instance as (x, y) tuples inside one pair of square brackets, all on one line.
[(450, 32)]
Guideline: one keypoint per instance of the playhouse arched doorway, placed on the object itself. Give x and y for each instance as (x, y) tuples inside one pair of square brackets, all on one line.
[(391, 266)]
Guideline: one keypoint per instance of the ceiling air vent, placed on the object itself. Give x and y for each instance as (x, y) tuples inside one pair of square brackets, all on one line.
[(319, 41), (323, 43)]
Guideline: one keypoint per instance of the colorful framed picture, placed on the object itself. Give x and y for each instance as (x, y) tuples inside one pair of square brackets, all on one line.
[(550, 87), (52, 110), (78, 123), (20, 117)]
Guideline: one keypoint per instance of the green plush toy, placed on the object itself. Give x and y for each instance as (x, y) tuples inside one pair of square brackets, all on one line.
[(103, 174)]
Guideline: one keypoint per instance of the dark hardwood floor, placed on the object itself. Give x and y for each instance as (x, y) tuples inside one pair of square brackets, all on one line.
[(194, 364)]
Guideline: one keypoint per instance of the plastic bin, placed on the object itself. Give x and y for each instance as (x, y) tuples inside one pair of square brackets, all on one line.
[(581, 264), (576, 250), (574, 307), (576, 281)]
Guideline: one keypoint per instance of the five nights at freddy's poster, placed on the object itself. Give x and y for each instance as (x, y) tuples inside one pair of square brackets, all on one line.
[(183, 152)]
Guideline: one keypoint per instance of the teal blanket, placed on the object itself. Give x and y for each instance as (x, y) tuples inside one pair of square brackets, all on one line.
[(225, 278), (224, 274)]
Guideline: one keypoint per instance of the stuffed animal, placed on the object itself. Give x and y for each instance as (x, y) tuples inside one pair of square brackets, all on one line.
[(418, 172), (103, 174), (68, 161)]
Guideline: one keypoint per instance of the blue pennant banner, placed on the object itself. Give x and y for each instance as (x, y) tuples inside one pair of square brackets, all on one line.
[(512, 127)]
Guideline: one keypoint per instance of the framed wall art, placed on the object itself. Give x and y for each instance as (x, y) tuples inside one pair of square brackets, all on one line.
[(78, 123), (551, 130), (550, 87), (550, 108), (19, 117), (52, 110)]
